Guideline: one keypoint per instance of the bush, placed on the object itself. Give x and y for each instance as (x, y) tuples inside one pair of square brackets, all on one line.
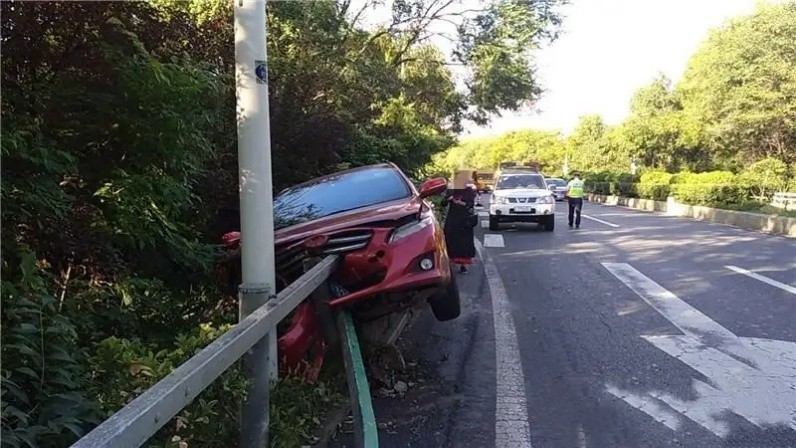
[(656, 192), (712, 195)]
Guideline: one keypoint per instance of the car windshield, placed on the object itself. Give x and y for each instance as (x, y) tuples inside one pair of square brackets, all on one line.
[(337, 194), (512, 181), (556, 182)]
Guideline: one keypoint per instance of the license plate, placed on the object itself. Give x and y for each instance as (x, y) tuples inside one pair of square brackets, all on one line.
[(523, 209)]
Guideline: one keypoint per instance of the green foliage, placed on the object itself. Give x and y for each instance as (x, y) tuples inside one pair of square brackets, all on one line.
[(297, 406), (741, 87), (123, 369), (766, 176), (43, 373)]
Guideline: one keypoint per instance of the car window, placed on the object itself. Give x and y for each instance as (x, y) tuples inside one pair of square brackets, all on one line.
[(556, 182), (338, 194), (512, 181)]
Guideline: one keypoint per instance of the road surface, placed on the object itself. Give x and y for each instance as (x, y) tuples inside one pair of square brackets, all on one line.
[(638, 330)]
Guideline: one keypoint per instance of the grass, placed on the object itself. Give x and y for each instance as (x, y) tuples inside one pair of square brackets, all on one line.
[(298, 407)]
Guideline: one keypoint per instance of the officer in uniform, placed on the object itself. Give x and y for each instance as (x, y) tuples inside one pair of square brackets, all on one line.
[(575, 199)]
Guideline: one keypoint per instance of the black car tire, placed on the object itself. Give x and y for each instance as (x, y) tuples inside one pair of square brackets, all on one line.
[(494, 224), (549, 223), (447, 305)]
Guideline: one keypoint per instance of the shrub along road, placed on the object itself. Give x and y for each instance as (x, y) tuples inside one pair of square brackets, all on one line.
[(638, 330)]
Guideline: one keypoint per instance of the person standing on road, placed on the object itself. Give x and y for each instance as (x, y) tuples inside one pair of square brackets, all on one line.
[(459, 223), (575, 199)]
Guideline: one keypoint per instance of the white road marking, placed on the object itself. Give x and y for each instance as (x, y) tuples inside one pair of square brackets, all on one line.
[(483, 213), (649, 405), (581, 437), (609, 224), (493, 240), (512, 428), (752, 378), (763, 279), (484, 224)]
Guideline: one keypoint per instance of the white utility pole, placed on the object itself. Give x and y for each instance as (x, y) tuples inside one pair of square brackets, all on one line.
[(256, 207)]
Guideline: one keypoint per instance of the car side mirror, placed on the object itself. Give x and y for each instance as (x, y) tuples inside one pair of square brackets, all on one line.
[(433, 186)]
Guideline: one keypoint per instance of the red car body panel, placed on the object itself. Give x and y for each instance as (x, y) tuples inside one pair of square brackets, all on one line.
[(378, 267)]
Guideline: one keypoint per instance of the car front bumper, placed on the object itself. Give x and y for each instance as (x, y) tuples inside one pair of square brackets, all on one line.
[(521, 212)]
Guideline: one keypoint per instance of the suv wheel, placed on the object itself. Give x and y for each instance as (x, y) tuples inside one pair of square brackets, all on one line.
[(446, 305), (549, 223), (494, 224)]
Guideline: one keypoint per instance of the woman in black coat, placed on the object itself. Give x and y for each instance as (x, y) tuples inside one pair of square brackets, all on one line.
[(459, 223)]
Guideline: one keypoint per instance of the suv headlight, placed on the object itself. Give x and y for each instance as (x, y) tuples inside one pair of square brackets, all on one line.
[(498, 200), (545, 200), (411, 228)]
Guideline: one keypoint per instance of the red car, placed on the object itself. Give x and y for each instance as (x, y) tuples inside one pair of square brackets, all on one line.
[(393, 249)]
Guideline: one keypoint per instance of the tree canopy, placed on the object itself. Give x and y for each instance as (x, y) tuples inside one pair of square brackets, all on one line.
[(734, 107)]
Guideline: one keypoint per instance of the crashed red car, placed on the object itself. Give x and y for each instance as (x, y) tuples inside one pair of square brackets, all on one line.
[(393, 249)]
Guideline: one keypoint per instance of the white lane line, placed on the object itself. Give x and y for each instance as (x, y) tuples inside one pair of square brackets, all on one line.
[(763, 279), (484, 224), (493, 240), (609, 224), (512, 428), (483, 213)]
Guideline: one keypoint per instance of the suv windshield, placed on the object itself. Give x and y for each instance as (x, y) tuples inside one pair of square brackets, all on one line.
[(337, 194), (512, 181), (557, 182)]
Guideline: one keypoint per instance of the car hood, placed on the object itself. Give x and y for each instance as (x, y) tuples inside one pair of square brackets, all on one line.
[(522, 193), (386, 211)]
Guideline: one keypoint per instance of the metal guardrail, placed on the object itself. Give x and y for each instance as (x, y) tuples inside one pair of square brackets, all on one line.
[(785, 201), (143, 417)]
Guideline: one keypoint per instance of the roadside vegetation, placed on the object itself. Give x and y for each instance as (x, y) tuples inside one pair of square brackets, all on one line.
[(722, 136), (119, 155)]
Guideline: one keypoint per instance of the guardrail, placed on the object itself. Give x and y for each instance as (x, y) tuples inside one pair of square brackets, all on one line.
[(785, 201), (143, 417)]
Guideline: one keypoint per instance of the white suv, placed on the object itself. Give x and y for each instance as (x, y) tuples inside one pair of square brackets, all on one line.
[(521, 196)]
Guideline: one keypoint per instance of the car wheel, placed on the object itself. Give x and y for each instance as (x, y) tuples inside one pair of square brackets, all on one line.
[(447, 305), (549, 223), (494, 224)]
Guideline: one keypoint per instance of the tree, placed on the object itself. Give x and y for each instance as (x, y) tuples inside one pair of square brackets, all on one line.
[(741, 85)]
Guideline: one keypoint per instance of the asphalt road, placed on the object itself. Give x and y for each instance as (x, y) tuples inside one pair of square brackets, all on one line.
[(637, 330)]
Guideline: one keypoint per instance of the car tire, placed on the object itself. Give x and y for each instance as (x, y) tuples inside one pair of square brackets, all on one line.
[(494, 224), (549, 223), (447, 305)]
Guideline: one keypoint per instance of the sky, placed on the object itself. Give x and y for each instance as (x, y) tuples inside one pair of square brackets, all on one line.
[(608, 49)]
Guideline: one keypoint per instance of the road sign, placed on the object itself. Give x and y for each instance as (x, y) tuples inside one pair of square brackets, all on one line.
[(751, 378)]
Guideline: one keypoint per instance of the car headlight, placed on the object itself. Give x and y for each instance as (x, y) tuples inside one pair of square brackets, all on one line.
[(411, 228), (498, 200), (544, 200)]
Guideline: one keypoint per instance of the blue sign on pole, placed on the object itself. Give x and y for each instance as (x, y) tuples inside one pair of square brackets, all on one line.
[(261, 70)]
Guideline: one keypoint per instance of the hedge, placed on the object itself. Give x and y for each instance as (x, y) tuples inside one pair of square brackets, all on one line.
[(715, 188)]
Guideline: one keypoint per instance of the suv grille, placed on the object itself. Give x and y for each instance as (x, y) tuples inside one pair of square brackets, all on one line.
[(522, 200)]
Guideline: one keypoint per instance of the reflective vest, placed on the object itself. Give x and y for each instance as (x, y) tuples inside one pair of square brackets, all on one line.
[(575, 188)]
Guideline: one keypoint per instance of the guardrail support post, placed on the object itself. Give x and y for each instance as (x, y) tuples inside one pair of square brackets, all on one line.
[(256, 207)]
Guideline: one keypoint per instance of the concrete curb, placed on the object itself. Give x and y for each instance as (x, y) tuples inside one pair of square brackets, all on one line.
[(774, 225)]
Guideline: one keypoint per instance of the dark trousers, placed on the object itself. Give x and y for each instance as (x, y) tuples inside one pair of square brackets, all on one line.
[(575, 205)]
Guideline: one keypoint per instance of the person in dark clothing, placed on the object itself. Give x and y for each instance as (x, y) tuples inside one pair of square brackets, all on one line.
[(459, 223)]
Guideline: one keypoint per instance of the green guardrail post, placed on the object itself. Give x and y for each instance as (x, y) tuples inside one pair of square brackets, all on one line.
[(365, 429)]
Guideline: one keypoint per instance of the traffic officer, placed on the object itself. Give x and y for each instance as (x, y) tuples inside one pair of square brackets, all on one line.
[(575, 199)]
